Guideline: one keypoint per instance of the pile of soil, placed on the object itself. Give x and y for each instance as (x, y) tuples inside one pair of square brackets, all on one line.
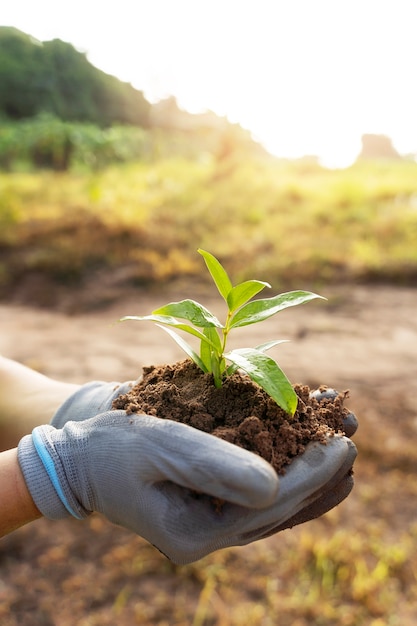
[(239, 412)]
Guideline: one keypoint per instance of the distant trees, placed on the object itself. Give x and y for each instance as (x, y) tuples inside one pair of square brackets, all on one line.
[(45, 141), (56, 110), (54, 77)]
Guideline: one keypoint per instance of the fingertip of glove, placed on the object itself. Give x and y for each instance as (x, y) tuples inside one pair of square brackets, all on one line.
[(350, 425), (346, 451), (262, 486)]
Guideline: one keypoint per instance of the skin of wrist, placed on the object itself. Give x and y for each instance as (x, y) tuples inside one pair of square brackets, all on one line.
[(16, 503)]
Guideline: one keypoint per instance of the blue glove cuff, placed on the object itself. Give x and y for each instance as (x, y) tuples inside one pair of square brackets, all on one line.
[(45, 476), (49, 466)]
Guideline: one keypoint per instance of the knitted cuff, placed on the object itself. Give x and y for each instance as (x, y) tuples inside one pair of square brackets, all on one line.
[(45, 477)]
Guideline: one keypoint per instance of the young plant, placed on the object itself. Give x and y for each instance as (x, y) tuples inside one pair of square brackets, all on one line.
[(213, 335)]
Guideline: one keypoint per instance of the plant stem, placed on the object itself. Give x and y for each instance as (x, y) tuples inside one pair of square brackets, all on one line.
[(226, 331), (215, 368)]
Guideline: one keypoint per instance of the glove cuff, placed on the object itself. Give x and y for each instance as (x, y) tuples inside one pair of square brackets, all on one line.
[(45, 476)]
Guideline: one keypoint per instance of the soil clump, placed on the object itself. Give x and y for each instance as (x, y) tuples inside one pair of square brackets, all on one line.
[(240, 411)]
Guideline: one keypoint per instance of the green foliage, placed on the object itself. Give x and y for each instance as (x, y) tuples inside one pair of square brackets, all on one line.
[(47, 142), (57, 110), (213, 334), (53, 81), (54, 77)]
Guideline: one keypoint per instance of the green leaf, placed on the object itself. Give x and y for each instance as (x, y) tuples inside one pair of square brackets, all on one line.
[(267, 374), (191, 311), (218, 273), (169, 321), (218, 366), (240, 294), (260, 310), (205, 354), (208, 347), (263, 347), (186, 347)]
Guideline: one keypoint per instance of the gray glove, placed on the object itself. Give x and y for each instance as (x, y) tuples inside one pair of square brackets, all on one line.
[(160, 478), (90, 400)]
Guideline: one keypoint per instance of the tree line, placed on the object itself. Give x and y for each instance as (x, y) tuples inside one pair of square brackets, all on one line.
[(57, 109), (53, 77)]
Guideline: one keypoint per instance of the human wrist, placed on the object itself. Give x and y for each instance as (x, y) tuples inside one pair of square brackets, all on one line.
[(17, 505)]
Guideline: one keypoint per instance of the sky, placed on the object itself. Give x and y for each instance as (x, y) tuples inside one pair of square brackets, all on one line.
[(306, 77)]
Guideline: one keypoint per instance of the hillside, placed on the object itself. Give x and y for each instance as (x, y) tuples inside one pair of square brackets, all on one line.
[(54, 77)]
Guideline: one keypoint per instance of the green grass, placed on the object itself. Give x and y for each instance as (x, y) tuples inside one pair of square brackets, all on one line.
[(284, 223), (327, 572)]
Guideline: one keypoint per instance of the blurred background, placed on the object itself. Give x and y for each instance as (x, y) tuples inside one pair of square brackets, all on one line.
[(281, 137)]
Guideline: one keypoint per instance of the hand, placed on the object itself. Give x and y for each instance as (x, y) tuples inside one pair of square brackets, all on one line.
[(162, 479), (97, 395), (88, 401)]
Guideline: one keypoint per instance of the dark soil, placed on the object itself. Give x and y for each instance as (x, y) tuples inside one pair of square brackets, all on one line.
[(239, 412)]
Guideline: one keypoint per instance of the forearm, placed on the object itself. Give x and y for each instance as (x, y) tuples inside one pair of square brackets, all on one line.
[(28, 398), (16, 505)]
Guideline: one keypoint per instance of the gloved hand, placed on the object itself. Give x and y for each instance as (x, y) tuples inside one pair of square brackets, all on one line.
[(89, 400), (158, 478)]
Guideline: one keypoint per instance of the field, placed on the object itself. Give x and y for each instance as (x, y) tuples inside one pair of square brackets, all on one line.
[(78, 250), (140, 224)]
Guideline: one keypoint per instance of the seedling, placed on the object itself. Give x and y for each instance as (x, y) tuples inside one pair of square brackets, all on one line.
[(213, 335)]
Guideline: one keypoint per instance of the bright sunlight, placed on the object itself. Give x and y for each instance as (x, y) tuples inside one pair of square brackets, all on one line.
[(306, 78)]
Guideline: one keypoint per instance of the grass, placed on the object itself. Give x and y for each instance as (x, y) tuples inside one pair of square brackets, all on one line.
[(330, 571), (291, 224)]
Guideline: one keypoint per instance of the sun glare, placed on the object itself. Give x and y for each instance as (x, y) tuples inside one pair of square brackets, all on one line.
[(306, 78)]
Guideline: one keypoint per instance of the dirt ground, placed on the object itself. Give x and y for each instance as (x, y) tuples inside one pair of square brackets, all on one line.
[(363, 339)]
